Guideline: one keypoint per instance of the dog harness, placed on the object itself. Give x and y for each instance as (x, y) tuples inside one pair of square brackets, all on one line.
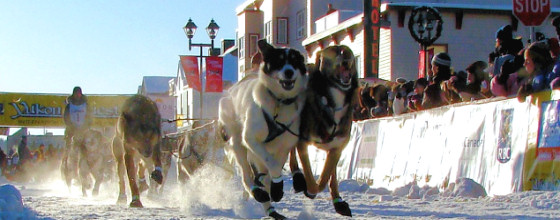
[(276, 128)]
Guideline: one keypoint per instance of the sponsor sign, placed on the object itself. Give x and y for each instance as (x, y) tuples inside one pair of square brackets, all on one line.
[(548, 139), (47, 110)]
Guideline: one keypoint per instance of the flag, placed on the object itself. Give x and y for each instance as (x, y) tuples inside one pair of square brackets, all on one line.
[(189, 67), (214, 66)]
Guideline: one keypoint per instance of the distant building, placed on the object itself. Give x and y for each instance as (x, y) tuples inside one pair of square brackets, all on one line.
[(188, 99), (468, 33), (158, 89)]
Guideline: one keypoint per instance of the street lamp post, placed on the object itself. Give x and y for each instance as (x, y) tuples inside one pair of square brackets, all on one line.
[(212, 30)]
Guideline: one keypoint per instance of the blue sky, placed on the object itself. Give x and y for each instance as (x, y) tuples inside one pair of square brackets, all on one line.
[(103, 46)]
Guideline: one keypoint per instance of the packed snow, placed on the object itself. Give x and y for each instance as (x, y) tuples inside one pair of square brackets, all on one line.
[(213, 193)]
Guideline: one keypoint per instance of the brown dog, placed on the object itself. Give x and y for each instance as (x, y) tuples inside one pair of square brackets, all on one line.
[(136, 146), (95, 160), (326, 121)]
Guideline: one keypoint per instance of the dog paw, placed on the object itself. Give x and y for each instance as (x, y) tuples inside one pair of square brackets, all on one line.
[(342, 207), (136, 204), (299, 183), (122, 199), (275, 215), (277, 191), (157, 176), (142, 186), (260, 195), (309, 195)]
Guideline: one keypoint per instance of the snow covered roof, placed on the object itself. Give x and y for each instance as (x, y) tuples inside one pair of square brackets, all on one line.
[(156, 84)]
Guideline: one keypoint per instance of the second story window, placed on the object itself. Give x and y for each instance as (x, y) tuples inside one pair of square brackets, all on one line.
[(253, 38), (300, 24), (241, 47), (282, 31), (268, 32)]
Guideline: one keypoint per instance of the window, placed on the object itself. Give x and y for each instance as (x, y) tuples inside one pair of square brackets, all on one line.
[(282, 37), (241, 47), (268, 32), (253, 38), (300, 24)]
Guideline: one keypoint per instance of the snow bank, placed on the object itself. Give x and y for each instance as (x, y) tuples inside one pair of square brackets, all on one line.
[(11, 203), (465, 187)]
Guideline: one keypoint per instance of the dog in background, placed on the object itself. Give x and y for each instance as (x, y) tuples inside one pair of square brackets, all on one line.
[(95, 161), (200, 146), (136, 146), (260, 117), (326, 121)]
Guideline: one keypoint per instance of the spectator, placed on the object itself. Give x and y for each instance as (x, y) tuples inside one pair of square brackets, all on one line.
[(433, 97), (506, 48), (24, 153), (555, 51), (3, 159), (415, 100), (453, 87), (40, 153), (478, 82), (538, 64), (441, 68), (506, 82), (401, 90)]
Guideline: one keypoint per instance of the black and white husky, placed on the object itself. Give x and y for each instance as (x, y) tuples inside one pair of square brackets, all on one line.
[(261, 118)]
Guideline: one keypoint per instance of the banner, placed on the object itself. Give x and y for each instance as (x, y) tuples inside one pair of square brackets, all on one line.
[(485, 141), (46, 110), (189, 68), (548, 139), (214, 67)]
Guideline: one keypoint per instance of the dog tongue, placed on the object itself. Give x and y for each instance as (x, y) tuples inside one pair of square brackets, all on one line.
[(345, 75)]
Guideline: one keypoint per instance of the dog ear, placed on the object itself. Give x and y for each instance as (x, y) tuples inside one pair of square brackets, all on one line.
[(264, 47)]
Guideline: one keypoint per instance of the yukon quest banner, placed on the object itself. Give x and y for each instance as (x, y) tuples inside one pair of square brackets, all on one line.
[(47, 110)]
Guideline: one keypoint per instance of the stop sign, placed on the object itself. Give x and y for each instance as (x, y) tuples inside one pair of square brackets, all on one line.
[(531, 12)]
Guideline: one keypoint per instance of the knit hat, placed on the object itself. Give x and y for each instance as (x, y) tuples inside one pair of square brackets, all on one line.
[(504, 33), (556, 22), (442, 59)]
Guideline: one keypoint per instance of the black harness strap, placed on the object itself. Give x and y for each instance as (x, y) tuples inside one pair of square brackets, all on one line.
[(275, 128), (199, 158)]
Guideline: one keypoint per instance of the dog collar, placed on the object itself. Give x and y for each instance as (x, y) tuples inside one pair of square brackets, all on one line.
[(283, 101)]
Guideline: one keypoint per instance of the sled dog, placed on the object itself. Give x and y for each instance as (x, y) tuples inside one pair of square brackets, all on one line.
[(95, 160), (260, 117), (326, 121), (136, 146), (198, 147)]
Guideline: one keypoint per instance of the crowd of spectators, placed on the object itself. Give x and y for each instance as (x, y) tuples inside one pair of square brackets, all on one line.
[(512, 70), (18, 162)]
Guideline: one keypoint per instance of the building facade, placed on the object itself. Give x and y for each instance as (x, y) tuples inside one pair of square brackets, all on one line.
[(187, 99), (468, 30), (157, 88)]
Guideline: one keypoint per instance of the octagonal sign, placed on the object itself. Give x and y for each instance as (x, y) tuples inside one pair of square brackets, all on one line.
[(531, 12)]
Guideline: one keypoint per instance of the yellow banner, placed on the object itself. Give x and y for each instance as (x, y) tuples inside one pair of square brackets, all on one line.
[(47, 110)]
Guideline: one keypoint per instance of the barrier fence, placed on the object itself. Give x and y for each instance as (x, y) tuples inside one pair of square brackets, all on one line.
[(493, 142)]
